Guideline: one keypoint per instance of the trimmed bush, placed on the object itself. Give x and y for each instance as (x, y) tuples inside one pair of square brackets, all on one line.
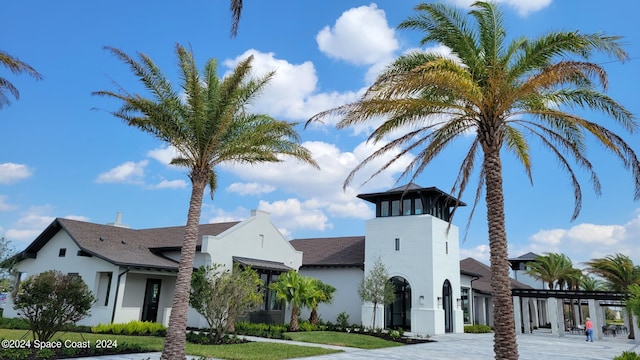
[(133, 327), (477, 329)]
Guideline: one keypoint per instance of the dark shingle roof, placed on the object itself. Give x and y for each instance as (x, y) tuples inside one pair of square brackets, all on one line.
[(123, 246), (325, 252), (472, 266)]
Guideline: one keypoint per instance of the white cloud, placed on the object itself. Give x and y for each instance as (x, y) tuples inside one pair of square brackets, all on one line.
[(171, 184), (361, 36), (129, 172), (163, 154), (292, 91), (480, 253), (35, 220), (11, 173), (319, 193), (252, 188), (586, 241), (292, 214), (523, 7)]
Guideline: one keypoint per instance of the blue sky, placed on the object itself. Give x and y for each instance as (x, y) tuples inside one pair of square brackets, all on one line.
[(60, 157)]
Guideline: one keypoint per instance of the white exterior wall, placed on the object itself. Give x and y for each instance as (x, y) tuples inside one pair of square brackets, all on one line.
[(346, 281), (427, 257), (87, 267), (254, 238)]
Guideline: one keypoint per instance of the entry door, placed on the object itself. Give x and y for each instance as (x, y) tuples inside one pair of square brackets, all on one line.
[(151, 300)]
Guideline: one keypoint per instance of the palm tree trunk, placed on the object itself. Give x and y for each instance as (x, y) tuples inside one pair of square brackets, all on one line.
[(313, 318), (504, 344), (175, 341), (294, 324)]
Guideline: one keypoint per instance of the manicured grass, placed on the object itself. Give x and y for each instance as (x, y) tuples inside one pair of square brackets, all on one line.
[(249, 351), (341, 339)]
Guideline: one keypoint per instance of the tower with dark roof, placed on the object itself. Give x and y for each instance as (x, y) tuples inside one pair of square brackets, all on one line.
[(413, 237)]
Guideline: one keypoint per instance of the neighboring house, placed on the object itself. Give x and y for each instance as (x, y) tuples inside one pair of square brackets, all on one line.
[(133, 272)]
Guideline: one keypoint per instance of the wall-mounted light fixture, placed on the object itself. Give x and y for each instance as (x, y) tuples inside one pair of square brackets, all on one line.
[(459, 303), (439, 301), (421, 300)]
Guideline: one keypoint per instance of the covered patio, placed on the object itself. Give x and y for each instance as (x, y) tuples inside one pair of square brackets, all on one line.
[(573, 303)]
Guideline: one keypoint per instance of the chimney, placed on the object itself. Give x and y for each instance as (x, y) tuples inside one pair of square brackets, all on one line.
[(118, 222)]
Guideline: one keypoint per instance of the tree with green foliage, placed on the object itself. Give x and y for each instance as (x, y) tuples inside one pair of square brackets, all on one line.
[(619, 272), (222, 296), (50, 300), (376, 288), (296, 290), (207, 120), (322, 294), (495, 92), (589, 283), (17, 67), (632, 303), (555, 270)]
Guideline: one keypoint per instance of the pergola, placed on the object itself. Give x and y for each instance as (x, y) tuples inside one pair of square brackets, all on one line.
[(525, 299)]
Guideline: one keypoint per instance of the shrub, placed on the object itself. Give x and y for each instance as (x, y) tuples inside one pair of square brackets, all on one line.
[(14, 323), (50, 300), (272, 331), (477, 329), (628, 355), (133, 327), (342, 320)]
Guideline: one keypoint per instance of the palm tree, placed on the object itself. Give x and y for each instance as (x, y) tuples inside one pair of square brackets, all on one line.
[(619, 272), (236, 11), (17, 67), (323, 294), (206, 119), (503, 92), (555, 270), (589, 283), (296, 290)]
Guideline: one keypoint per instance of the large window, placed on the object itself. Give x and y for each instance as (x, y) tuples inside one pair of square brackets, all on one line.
[(466, 310)]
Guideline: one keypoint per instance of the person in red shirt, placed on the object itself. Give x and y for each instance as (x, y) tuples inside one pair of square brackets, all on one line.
[(589, 326)]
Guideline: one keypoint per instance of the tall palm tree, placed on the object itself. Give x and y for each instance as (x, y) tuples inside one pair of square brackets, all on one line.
[(17, 67), (296, 290), (206, 119), (503, 92)]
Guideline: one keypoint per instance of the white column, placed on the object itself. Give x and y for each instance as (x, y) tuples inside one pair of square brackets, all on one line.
[(553, 315), (561, 325), (636, 330), (525, 315), (517, 314), (593, 315)]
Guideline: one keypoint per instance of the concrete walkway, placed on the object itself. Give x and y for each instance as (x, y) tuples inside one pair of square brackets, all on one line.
[(538, 346)]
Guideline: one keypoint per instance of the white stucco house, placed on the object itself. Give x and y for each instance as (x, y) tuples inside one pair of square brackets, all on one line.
[(132, 272)]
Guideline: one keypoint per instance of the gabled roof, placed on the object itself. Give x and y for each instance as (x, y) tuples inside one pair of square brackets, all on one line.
[(123, 246), (331, 252), (471, 266)]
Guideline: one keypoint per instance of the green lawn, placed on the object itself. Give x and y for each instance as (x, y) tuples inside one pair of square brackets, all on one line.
[(341, 339), (248, 351)]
